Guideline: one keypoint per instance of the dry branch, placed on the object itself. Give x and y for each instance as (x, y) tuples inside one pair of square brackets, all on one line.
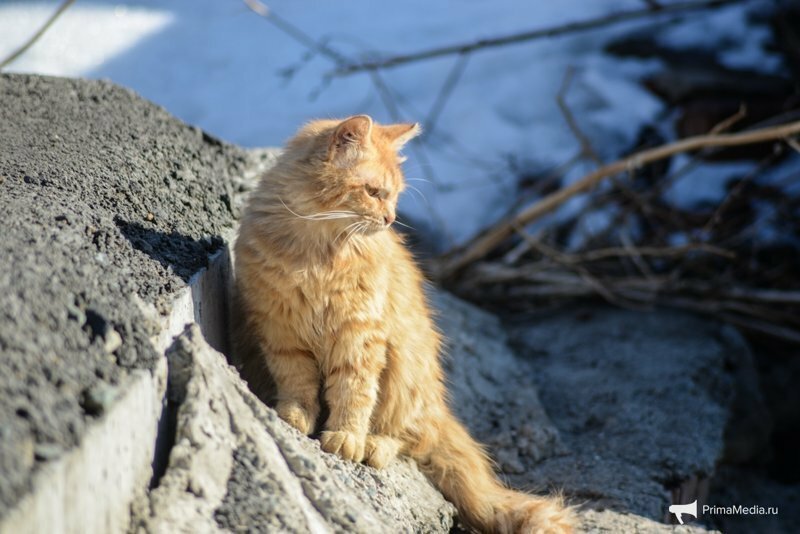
[(753, 309), (259, 8), (726, 124), (449, 85), (485, 243), (584, 273), (530, 35), (658, 252), (587, 150), (35, 37)]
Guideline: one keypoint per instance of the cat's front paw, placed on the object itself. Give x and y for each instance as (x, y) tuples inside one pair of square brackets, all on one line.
[(348, 445), (297, 416)]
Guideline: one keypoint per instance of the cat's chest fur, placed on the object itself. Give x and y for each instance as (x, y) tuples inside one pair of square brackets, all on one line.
[(325, 296)]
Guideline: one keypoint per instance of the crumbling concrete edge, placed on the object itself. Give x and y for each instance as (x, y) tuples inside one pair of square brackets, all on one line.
[(90, 488)]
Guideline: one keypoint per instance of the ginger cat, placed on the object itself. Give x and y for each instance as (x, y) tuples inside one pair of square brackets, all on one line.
[(335, 302)]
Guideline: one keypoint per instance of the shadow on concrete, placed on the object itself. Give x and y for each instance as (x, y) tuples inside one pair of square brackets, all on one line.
[(181, 254)]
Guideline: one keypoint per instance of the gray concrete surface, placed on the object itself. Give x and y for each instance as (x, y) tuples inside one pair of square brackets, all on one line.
[(492, 390), (641, 402), (104, 196), (735, 485)]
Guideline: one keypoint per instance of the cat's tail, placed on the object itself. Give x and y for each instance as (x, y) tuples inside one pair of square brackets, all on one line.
[(462, 471)]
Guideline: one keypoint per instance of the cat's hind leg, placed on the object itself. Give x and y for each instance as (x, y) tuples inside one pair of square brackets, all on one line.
[(298, 381), (380, 450)]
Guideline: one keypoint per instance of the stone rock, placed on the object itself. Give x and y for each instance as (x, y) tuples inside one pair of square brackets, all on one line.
[(641, 401), (491, 389), (736, 485), (235, 465), (612, 522)]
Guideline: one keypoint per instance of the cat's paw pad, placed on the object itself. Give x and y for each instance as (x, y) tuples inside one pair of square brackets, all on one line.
[(380, 450), (348, 445), (295, 415)]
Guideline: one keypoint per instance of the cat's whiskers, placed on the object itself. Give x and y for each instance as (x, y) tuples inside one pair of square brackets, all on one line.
[(359, 225), (420, 193), (322, 216), (346, 228), (352, 231), (404, 224)]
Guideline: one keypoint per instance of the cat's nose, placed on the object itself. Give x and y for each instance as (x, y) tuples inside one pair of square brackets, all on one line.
[(388, 218)]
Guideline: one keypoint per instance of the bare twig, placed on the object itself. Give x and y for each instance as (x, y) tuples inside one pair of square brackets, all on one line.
[(751, 321), (763, 327), (609, 253), (296, 33), (772, 296), (553, 177), (792, 142), (586, 146), (753, 309), (586, 149), (736, 191), (35, 37), (735, 298), (444, 93), (635, 256), (321, 47), (657, 252), (573, 27), (726, 124), (482, 245), (721, 127), (588, 277), (389, 101)]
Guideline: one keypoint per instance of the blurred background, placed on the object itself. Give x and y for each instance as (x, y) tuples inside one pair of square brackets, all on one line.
[(518, 100), (495, 129)]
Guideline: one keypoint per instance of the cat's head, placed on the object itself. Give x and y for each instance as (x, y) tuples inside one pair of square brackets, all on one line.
[(355, 170)]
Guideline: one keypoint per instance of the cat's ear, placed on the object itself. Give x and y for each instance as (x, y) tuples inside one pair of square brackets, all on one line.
[(349, 138), (400, 134)]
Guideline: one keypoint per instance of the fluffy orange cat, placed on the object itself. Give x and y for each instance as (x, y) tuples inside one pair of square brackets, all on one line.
[(335, 302)]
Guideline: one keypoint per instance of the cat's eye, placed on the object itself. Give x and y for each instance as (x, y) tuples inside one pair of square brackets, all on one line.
[(374, 192)]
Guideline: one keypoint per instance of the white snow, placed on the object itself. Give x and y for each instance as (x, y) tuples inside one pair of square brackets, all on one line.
[(703, 184), (217, 65), (81, 41)]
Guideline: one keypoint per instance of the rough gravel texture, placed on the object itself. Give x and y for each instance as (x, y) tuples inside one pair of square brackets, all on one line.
[(104, 196), (491, 389), (641, 401), (250, 485), (748, 487)]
